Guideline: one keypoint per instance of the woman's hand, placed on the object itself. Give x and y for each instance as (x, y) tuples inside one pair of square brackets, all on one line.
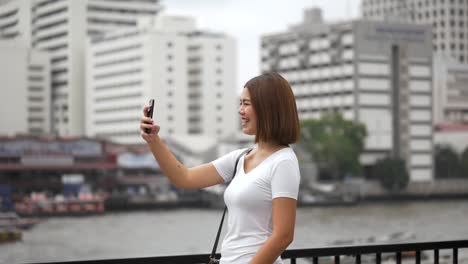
[(147, 123)]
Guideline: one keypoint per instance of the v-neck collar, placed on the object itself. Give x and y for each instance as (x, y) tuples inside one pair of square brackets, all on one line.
[(263, 161)]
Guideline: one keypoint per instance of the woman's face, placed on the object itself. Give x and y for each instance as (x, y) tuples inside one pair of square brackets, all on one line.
[(247, 114)]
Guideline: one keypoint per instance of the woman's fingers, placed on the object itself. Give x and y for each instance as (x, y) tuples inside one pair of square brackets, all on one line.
[(147, 123), (144, 126), (146, 120), (145, 110)]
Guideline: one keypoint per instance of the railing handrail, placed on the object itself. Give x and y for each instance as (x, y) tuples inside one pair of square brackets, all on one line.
[(296, 253), (374, 248)]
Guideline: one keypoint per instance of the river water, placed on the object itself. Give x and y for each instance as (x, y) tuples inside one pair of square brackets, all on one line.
[(192, 231)]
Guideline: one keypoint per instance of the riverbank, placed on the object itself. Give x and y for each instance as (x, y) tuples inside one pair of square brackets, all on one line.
[(192, 231)]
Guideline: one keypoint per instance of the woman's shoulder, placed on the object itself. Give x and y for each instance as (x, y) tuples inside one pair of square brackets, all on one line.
[(235, 153), (285, 154)]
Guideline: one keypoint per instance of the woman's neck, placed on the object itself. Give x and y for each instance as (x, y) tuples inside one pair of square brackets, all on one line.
[(268, 146)]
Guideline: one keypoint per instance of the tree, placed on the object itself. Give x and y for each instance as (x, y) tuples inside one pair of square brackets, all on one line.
[(392, 173), (464, 163), (335, 144), (447, 162)]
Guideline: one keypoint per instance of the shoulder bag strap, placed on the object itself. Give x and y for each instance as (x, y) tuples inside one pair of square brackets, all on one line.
[(215, 246)]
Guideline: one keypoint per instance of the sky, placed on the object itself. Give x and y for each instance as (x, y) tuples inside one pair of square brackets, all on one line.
[(247, 20)]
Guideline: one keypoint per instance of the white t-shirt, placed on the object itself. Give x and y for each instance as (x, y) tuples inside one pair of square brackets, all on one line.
[(249, 200)]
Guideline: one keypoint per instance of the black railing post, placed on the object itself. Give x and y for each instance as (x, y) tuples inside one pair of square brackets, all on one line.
[(378, 258), (436, 256), (337, 259), (418, 257), (358, 259), (455, 255), (398, 258), (293, 260), (315, 260)]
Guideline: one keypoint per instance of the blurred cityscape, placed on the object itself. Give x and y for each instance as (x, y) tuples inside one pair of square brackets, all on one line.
[(76, 74)]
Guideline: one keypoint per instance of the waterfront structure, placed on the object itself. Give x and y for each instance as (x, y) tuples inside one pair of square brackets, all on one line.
[(190, 74), (375, 73), (25, 89), (450, 91), (448, 18), (38, 164), (60, 27), (452, 135)]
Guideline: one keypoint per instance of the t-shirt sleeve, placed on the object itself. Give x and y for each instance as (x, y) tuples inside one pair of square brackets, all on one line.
[(225, 164), (285, 179)]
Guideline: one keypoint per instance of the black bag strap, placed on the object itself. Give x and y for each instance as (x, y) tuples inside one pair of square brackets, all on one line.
[(215, 246)]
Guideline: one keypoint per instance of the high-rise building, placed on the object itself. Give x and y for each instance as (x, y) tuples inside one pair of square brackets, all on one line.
[(108, 15), (450, 91), (449, 20), (375, 73), (61, 27), (15, 20), (188, 72), (25, 89)]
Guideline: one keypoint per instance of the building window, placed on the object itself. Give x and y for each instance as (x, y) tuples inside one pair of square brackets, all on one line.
[(169, 81), (219, 59), (219, 71), (219, 47), (169, 69), (169, 57), (219, 83), (169, 44), (170, 118), (169, 93), (169, 105)]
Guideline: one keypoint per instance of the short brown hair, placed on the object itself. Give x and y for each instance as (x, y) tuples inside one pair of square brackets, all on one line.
[(275, 106)]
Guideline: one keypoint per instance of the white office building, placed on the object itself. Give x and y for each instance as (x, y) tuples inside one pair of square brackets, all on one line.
[(375, 73), (25, 89), (189, 73), (450, 91), (449, 20), (61, 27)]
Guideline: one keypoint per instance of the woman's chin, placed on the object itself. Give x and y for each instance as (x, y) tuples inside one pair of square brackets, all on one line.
[(247, 131)]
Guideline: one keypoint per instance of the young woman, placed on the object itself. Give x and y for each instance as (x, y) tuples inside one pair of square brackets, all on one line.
[(261, 199)]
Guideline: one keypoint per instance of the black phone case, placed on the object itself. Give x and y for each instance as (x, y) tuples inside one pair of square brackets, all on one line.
[(150, 113)]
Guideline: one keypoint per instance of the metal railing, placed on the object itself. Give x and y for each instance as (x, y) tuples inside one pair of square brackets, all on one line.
[(372, 253)]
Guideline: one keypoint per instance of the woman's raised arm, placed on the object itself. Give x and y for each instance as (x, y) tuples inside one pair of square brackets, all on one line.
[(182, 177)]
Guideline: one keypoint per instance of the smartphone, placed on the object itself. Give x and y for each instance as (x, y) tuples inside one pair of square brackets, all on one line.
[(149, 114)]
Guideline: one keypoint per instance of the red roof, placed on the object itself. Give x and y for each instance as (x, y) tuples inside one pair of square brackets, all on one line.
[(451, 127), (81, 166)]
